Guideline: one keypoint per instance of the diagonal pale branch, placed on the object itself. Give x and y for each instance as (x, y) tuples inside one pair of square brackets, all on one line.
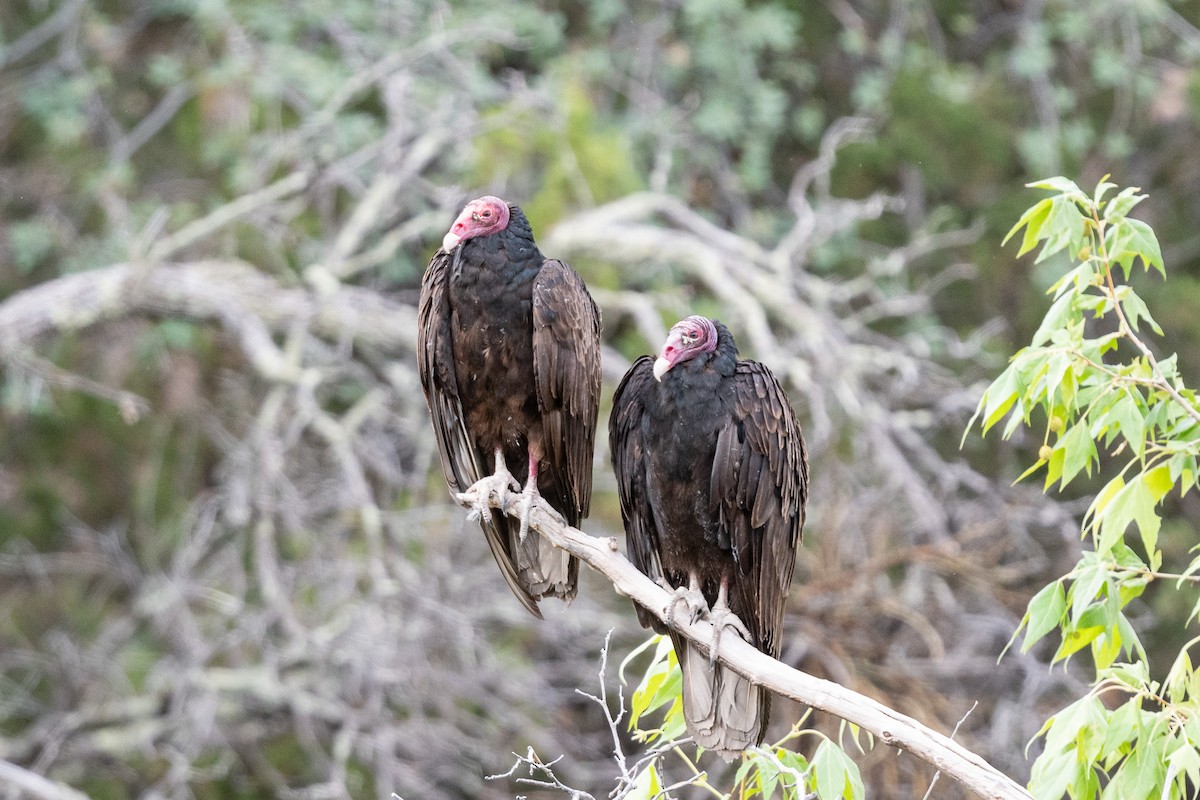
[(889, 726)]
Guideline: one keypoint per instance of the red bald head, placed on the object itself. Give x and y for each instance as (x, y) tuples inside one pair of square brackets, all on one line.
[(688, 338), (481, 217)]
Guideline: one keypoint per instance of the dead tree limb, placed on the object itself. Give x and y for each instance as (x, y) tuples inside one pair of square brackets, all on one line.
[(35, 785), (250, 303), (889, 726)]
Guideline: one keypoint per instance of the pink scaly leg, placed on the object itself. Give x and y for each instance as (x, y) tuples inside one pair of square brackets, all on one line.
[(722, 617), (529, 494)]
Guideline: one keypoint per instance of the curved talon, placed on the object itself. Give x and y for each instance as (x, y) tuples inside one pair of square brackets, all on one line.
[(722, 617), (691, 597), (478, 495), (527, 498)]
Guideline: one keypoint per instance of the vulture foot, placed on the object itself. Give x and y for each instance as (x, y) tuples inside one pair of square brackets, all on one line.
[(721, 618), (528, 497), (479, 494), (691, 598)]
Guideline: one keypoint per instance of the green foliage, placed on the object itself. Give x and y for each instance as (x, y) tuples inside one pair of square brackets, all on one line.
[(1106, 398), (659, 687)]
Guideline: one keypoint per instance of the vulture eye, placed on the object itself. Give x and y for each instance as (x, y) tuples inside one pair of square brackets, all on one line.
[(689, 337), (486, 214)]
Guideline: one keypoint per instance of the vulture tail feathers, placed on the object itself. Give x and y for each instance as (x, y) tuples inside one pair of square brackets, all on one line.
[(724, 711), (499, 533), (543, 569)]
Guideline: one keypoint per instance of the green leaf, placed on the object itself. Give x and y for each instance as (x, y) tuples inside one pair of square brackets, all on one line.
[(1054, 466), (1033, 220), (1142, 773), (1085, 782), (1100, 504), (1134, 502), (659, 687), (1081, 275), (1119, 206), (1158, 482), (647, 786), (742, 776), (656, 641), (1060, 312), (1135, 308), (1131, 239), (1044, 614), (1057, 184), (1183, 767), (1085, 588), (1051, 775), (999, 397), (836, 775), (1041, 462), (765, 777), (1064, 227), (1122, 727), (1079, 451), (1079, 727), (1122, 204), (1106, 647), (1102, 189), (1127, 416)]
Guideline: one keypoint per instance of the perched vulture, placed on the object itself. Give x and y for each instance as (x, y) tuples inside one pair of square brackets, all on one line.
[(713, 478), (509, 357)]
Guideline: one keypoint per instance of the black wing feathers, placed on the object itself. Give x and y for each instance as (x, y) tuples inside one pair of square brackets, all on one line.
[(435, 363), (758, 487), (566, 369), (628, 452)]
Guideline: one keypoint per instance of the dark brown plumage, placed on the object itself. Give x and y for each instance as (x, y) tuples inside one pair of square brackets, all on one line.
[(713, 479), (509, 357)]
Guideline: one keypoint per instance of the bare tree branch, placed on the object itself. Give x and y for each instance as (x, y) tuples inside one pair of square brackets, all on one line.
[(36, 785), (891, 727), (248, 302)]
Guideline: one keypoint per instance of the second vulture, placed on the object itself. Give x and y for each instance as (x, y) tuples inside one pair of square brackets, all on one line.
[(509, 357), (713, 477)]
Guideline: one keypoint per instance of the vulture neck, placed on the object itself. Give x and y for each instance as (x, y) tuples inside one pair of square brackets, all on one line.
[(700, 379), (510, 254)]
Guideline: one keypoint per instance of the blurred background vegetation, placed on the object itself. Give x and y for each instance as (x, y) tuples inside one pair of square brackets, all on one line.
[(227, 568)]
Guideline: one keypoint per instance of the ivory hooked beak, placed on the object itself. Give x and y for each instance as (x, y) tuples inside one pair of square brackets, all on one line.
[(450, 241), (661, 365)]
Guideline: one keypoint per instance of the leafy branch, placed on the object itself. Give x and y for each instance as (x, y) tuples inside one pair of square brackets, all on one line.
[(1137, 409)]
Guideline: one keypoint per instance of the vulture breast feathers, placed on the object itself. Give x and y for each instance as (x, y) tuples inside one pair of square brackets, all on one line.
[(509, 358), (712, 477)]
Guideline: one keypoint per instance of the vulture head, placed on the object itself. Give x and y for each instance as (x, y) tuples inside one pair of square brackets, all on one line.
[(481, 217), (688, 338)]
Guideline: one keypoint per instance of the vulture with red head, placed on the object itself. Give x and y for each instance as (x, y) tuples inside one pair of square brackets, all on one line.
[(713, 478), (509, 358)]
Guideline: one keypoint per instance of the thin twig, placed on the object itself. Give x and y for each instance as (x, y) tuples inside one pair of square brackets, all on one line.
[(953, 733), (132, 406), (1127, 330)]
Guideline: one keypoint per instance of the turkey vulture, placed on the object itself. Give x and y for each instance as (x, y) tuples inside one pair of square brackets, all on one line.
[(509, 357), (713, 477)]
